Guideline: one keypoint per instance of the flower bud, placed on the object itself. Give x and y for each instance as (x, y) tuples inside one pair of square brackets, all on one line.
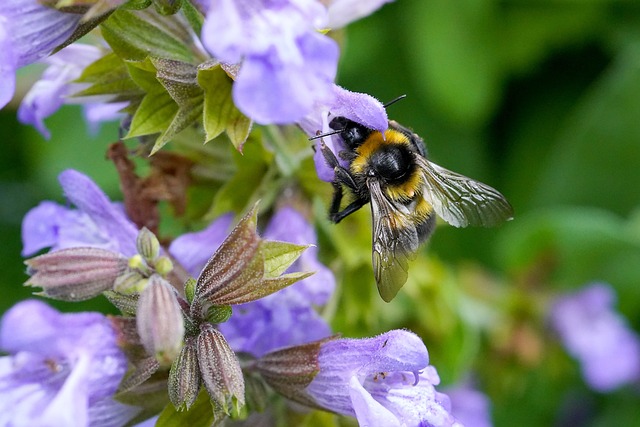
[(130, 283), (159, 321), (220, 370), (147, 244), (163, 265), (190, 289), (184, 377), (219, 313), (75, 274)]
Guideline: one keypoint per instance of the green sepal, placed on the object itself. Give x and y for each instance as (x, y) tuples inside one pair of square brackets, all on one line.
[(157, 109), (219, 313), (220, 113), (108, 76), (133, 37), (199, 414), (179, 80), (278, 256)]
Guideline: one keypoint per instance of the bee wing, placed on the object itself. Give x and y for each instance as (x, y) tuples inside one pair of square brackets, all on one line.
[(395, 241), (461, 201)]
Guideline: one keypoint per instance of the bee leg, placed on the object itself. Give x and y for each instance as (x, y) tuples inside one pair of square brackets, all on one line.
[(337, 216)]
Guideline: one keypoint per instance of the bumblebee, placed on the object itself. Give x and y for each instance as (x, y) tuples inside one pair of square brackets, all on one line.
[(406, 192)]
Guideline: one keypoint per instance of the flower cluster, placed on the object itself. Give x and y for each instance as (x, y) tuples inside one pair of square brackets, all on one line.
[(206, 319), (595, 335)]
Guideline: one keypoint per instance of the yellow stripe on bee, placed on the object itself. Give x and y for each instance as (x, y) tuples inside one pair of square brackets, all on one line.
[(408, 189), (373, 144)]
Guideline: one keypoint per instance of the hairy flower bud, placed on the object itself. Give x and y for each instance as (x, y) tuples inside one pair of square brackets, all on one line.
[(246, 267), (147, 244), (219, 313), (163, 265), (129, 283), (184, 377), (220, 369), (75, 274), (159, 321)]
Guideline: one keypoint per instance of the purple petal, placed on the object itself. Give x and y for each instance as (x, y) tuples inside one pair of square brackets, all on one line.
[(96, 113), (88, 197), (8, 64), (361, 108), (36, 29), (64, 369), (471, 407), (238, 28), (385, 377), (193, 250), (289, 225), (50, 92), (40, 227), (596, 335), (271, 91)]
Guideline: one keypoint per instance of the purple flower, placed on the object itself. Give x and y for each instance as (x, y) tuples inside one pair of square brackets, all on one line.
[(97, 222), (358, 107), (55, 88), (287, 65), (193, 250), (385, 380), (471, 407), (63, 369), (28, 32), (284, 318), (607, 349)]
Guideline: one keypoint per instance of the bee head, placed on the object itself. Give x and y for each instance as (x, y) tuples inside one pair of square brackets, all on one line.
[(353, 134)]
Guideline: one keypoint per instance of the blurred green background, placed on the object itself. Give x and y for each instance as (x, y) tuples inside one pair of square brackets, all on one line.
[(540, 99)]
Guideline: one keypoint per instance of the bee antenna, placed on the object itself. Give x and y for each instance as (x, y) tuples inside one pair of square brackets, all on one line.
[(321, 135), (393, 101)]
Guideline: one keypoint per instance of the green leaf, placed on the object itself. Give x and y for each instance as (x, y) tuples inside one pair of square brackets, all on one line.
[(154, 115), (136, 35), (109, 76), (199, 415), (278, 256), (220, 113)]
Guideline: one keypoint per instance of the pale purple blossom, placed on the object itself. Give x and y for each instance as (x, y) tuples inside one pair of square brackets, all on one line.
[(56, 88), (287, 65), (385, 381), (62, 369), (470, 406), (607, 349), (29, 31), (96, 222)]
